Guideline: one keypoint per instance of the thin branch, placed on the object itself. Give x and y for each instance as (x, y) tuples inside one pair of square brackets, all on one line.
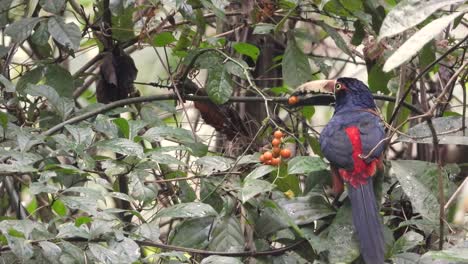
[(271, 252), (151, 98), (455, 194)]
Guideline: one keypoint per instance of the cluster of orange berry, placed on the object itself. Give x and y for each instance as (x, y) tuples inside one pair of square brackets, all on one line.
[(274, 156)]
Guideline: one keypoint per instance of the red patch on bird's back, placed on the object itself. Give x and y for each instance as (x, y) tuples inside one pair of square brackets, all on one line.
[(362, 170)]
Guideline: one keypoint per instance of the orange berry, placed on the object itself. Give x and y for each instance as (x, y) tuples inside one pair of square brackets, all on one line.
[(278, 134), (275, 161), (262, 158), (276, 152), (267, 155), (276, 142), (293, 100), (267, 162), (285, 153)]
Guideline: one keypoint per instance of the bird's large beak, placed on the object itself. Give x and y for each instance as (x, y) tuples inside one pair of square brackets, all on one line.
[(319, 86), (314, 93)]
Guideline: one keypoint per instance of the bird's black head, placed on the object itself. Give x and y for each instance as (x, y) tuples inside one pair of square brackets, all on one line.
[(351, 93)]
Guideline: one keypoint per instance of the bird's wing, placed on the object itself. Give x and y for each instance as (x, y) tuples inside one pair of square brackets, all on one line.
[(335, 145), (372, 133)]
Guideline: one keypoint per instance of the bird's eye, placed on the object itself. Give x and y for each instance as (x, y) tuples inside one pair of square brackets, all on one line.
[(338, 86)]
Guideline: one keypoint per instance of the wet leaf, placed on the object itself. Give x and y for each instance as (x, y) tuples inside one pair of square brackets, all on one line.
[(214, 259), (305, 165), (192, 233), (409, 13), (227, 235), (219, 85), (295, 65), (418, 40), (259, 172), (422, 199), (20, 30), (187, 210), (53, 6), (254, 187), (247, 49), (306, 209), (406, 242), (337, 38), (122, 145), (421, 133), (343, 246), (69, 35)]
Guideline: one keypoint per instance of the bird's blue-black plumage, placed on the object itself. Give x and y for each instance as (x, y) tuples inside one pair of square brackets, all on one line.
[(353, 103)]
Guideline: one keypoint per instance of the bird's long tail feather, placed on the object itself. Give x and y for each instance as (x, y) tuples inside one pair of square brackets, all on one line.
[(367, 223)]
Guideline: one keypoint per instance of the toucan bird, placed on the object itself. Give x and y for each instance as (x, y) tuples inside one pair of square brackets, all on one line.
[(352, 142)]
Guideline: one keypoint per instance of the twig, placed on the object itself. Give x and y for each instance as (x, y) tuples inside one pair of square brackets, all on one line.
[(455, 194), (463, 85)]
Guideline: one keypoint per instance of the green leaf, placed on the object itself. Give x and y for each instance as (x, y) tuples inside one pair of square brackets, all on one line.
[(20, 30), (72, 253), (418, 40), (337, 38), (378, 79), (192, 233), (69, 35), (122, 24), (30, 77), (214, 259), (128, 250), (63, 106), (9, 86), (219, 85), (50, 250), (236, 70), (59, 208), (247, 49), (254, 187), (53, 6), (421, 197), (305, 165), (123, 126), (3, 121), (227, 235), (60, 79), (212, 164), (163, 39), (187, 210), (259, 172), (123, 146), (421, 133), (82, 220), (359, 33), (406, 258), (103, 254), (148, 231), (427, 54), (409, 13), (263, 28), (459, 255), (306, 209), (406, 242), (343, 246), (217, 7), (295, 65)]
